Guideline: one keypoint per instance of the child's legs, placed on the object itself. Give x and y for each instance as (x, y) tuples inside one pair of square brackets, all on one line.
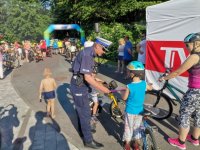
[(52, 103), (94, 110), (96, 103), (128, 128), (48, 106)]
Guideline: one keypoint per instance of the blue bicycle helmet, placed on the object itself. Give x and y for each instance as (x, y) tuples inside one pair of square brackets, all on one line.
[(192, 38), (135, 65)]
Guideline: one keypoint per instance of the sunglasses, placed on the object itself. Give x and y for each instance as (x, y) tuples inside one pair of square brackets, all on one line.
[(187, 45)]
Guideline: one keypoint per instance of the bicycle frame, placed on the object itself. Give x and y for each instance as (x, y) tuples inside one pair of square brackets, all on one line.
[(171, 89), (112, 97), (146, 125)]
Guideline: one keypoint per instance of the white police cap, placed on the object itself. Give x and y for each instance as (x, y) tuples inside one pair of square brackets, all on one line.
[(105, 43)]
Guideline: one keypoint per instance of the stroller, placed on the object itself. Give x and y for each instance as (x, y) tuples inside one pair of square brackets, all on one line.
[(48, 52)]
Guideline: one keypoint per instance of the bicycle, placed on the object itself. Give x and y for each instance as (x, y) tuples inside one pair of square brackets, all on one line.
[(147, 133), (161, 103), (117, 106)]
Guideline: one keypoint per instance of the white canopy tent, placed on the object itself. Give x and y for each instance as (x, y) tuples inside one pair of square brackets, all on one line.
[(167, 25)]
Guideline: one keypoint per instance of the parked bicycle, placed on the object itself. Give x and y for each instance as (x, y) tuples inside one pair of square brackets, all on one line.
[(160, 102)]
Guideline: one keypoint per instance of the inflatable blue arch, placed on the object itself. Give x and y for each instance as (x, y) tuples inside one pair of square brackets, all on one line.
[(53, 27)]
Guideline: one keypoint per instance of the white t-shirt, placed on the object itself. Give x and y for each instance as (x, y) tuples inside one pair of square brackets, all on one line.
[(121, 50), (142, 57)]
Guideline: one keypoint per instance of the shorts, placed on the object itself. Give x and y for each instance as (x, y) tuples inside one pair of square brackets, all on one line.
[(120, 57), (94, 96), (49, 95), (132, 127), (190, 105)]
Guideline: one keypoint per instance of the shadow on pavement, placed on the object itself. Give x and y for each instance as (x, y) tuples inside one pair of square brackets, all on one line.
[(110, 72), (63, 95), (7, 72), (8, 120), (112, 126), (46, 135)]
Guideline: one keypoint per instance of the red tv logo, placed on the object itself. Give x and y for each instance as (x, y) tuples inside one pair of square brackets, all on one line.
[(165, 54), (170, 53)]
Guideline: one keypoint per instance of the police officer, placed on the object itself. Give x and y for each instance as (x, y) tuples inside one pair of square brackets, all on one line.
[(82, 68)]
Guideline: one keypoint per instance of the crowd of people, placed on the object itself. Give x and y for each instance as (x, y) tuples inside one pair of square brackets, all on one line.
[(125, 54), (13, 55)]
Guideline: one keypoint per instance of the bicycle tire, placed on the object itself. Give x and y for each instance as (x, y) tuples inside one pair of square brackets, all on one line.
[(117, 111), (161, 108), (150, 139)]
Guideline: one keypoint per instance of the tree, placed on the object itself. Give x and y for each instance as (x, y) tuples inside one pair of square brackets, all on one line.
[(23, 20)]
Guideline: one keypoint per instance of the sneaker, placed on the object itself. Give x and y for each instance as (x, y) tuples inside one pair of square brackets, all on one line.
[(116, 71), (175, 142), (194, 142)]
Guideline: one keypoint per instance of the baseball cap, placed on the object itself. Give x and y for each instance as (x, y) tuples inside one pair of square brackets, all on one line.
[(103, 42)]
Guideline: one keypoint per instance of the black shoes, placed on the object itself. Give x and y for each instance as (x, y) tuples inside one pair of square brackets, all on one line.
[(94, 145)]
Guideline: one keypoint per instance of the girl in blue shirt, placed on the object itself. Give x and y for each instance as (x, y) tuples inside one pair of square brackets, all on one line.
[(134, 96)]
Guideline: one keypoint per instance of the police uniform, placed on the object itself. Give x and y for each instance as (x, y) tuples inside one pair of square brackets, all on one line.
[(83, 64)]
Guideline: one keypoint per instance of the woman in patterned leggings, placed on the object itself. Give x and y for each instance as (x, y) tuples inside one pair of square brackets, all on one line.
[(191, 100)]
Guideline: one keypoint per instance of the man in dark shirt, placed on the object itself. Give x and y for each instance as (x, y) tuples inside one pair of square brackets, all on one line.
[(82, 77)]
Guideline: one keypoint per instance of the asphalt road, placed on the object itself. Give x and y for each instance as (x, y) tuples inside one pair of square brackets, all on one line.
[(109, 131)]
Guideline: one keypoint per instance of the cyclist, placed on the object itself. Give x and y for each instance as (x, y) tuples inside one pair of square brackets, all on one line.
[(134, 96), (191, 100)]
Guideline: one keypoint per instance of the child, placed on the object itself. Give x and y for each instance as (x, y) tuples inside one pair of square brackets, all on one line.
[(120, 61), (47, 87), (134, 96), (94, 96)]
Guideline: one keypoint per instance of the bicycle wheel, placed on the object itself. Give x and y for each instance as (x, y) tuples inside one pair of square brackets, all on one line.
[(161, 108), (117, 111), (150, 140)]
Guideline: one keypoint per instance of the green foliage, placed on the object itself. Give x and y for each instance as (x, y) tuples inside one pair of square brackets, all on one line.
[(23, 20), (112, 32)]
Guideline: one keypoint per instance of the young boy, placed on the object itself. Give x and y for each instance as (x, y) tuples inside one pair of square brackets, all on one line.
[(47, 88), (134, 96)]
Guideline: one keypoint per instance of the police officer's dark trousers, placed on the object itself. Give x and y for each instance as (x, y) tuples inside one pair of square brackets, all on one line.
[(81, 101)]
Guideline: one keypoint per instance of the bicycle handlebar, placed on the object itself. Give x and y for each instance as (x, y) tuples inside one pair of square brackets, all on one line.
[(167, 71), (113, 91)]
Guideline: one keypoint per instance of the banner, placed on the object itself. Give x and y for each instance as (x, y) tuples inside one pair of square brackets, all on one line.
[(168, 24)]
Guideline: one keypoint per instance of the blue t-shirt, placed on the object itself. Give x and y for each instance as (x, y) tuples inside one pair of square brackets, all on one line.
[(127, 55), (135, 100)]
